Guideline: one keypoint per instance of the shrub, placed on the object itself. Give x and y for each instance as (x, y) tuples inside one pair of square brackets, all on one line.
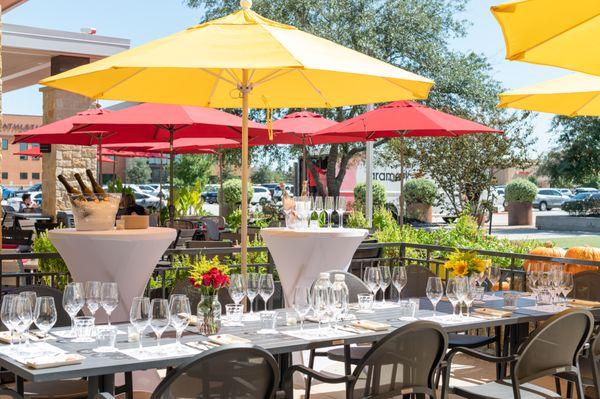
[(360, 195), (356, 220), (232, 192), (382, 219), (423, 191), (43, 244), (520, 190)]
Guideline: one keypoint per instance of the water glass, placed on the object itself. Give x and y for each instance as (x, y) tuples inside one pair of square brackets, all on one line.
[(109, 298), (234, 312), (407, 309), (510, 300), (45, 314), (268, 321), (365, 303), (106, 338), (84, 329)]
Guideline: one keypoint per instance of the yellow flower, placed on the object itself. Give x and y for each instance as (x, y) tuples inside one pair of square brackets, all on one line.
[(461, 268)]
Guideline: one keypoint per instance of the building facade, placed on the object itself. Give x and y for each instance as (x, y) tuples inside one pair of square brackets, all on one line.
[(17, 170)]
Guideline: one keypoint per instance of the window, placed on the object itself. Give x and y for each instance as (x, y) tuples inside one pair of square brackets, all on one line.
[(544, 192), (23, 175), (35, 158), (23, 147), (35, 176), (5, 144), (4, 175)]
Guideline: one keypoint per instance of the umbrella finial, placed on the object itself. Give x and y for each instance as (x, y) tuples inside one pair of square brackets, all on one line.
[(246, 4)]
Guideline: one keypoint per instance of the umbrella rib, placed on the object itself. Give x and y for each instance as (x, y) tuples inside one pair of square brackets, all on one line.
[(400, 86), (218, 76), (327, 104), (214, 88), (585, 104), (234, 77), (103, 92), (271, 76)]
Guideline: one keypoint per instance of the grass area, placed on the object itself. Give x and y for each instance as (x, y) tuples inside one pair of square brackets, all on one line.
[(567, 242)]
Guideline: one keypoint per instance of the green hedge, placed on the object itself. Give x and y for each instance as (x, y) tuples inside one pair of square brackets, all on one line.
[(232, 192), (520, 190), (420, 191), (360, 194)]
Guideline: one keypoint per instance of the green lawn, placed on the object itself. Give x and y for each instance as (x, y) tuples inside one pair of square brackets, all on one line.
[(567, 242)]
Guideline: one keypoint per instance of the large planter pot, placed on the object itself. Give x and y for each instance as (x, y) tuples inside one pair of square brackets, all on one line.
[(421, 212), (520, 214)]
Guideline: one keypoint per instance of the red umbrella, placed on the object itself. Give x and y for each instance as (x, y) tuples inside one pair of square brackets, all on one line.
[(405, 119), (300, 128), (36, 153)]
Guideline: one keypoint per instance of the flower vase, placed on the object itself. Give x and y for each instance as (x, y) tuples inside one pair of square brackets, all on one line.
[(209, 315)]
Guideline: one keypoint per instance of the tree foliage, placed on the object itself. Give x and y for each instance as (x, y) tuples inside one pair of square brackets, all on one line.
[(193, 169), (138, 171)]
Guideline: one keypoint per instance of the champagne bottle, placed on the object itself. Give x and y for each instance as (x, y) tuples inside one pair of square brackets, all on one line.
[(305, 192), (84, 188), (70, 189), (98, 190)]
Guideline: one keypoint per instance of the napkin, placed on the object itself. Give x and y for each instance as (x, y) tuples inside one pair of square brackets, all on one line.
[(370, 325), (581, 303), (492, 312), (57, 360), (227, 339)]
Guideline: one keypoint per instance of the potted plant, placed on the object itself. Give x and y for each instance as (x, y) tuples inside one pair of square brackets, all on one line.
[(209, 276), (232, 195), (420, 196), (519, 195)]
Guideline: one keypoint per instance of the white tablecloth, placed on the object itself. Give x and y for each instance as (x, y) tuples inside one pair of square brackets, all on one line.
[(300, 255), (127, 257)]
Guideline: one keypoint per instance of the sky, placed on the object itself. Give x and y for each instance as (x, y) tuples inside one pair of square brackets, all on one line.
[(145, 20)]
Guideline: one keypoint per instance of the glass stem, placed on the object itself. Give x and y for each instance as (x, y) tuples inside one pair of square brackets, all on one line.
[(434, 308), (302, 324), (178, 337), (11, 337), (158, 339), (251, 308), (108, 314)]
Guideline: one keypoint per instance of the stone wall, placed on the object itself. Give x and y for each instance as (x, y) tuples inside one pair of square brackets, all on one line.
[(70, 160)]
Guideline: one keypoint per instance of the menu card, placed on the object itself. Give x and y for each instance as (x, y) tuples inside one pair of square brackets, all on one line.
[(450, 320), (159, 352), (315, 334)]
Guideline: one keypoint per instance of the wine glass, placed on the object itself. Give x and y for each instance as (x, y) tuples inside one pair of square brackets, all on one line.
[(139, 316), (6, 312), (73, 301), (22, 316), (109, 298), (399, 279), (266, 287), (434, 291), (236, 288), (452, 290), (252, 288), (180, 310), (372, 278), (93, 296), (566, 285), (494, 276), (341, 208), (31, 296), (159, 317), (318, 207), (302, 303), (469, 296), (386, 280), (45, 314), (328, 207)]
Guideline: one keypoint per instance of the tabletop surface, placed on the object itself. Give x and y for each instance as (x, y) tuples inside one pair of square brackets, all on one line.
[(30, 215), (110, 363), (131, 233)]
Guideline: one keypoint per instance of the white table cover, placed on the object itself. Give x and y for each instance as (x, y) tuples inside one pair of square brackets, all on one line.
[(127, 257), (301, 254)]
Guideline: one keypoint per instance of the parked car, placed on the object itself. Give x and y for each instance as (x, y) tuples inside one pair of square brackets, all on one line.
[(565, 191), (278, 193), (548, 198), (7, 192), (210, 193), (261, 195), (585, 190), (147, 188), (271, 187), (31, 189), (577, 199), (146, 200)]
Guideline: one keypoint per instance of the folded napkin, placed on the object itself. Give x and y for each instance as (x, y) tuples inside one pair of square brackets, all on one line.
[(57, 360), (492, 312), (5, 337), (228, 339), (370, 325), (581, 303)]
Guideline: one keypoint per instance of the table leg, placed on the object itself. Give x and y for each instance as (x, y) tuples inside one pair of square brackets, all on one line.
[(93, 387), (285, 360), (20, 386), (107, 383)]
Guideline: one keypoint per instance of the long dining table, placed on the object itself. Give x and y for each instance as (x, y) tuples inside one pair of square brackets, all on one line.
[(100, 368)]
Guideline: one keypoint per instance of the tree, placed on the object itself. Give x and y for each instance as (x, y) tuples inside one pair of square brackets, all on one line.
[(193, 169), (412, 34), (264, 173), (138, 171)]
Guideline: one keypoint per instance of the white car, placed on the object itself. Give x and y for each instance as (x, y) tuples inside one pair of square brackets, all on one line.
[(146, 200), (277, 194), (262, 195)]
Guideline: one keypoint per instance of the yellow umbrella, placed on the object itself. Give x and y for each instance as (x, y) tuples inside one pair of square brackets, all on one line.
[(243, 60), (573, 95), (561, 33)]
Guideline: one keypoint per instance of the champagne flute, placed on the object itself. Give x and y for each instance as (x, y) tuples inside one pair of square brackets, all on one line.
[(139, 316), (341, 208), (45, 314), (180, 310), (93, 296), (6, 312), (386, 280), (31, 297), (109, 298), (434, 291), (266, 287), (252, 288), (399, 279), (318, 207), (159, 317), (236, 288), (302, 303), (452, 289), (328, 206), (73, 301)]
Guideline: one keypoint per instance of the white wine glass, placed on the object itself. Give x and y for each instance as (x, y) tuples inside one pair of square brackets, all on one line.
[(139, 316), (399, 279), (318, 207), (386, 280), (328, 206), (236, 288), (340, 209), (93, 297), (73, 301), (109, 298), (6, 313), (180, 310), (23, 316), (434, 291), (266, 287), (159, 317), (452, 290), (302, 303), (31, 296), (252, 288), (493, 275), (45, 314), (372, 277)]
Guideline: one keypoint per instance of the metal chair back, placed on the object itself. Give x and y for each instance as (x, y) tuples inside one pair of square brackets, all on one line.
[(8, 218), (63, 319), (355, 285), (586, 285), (233, 371), (417, 277), (17, 238), (404, 362)]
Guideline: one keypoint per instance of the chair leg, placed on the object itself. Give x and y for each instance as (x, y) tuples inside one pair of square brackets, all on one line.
[(578, 386), (558, 386), (570, 391), (311, 364)]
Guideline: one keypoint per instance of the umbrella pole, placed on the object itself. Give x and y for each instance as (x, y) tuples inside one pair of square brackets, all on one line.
[(220, 160), (245, 89), (171, 172), (99, 177), (401, 198), (160, 179)]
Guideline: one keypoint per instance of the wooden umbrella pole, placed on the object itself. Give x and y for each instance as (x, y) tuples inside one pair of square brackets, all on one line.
[(99, 177), (220, 160), (245, 89), (401, 197), (171, 172)]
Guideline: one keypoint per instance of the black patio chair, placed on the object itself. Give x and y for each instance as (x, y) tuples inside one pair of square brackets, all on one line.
[(586, 285), (63, 319), (589, 366), (8, 216), (42, 226), (402, 363), (232, 371), (552, 350)]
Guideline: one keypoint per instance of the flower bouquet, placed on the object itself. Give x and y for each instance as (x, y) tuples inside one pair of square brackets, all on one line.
[(466, 264), (209, 276)]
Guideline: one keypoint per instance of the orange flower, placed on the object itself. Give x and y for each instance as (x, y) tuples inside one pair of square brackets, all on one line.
[(461, 268)]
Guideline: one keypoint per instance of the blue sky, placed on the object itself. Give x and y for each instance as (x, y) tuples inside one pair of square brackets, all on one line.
[(142, 21)]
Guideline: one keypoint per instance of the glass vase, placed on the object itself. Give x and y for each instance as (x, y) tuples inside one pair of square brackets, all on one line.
[(209, 315)]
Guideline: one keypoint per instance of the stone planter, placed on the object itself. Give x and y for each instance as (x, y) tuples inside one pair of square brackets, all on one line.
[(421, 212), (520, 214)]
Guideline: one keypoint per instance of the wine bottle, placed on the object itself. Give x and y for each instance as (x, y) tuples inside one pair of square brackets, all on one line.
[(98, 190), (305, 192), (84, 188), (70, 189)]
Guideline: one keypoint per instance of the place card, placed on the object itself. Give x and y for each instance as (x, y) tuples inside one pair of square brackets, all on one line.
[(451, 320), (492, 312), (228, 339), (64, 359), (316, 334), (159, 352), (33, 336), (371, 325), (582, 304), (24, 354)]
